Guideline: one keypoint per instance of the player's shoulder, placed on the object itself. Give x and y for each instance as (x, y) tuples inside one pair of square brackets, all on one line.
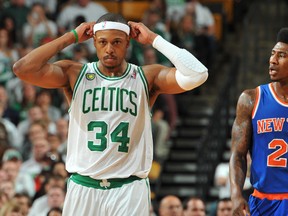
[(69, 65), (249, 93), (153, 69), (248, 97)]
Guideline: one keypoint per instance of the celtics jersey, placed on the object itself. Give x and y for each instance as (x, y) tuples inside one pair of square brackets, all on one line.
[(110, 125)]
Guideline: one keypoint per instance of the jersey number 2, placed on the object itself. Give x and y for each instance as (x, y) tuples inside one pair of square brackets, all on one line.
[(274, 159), (118, 135)]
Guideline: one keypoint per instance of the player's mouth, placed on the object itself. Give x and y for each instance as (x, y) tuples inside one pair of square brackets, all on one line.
[(272, 70), (110, 58)]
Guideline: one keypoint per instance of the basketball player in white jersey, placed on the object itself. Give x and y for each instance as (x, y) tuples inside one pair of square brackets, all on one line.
[(110, 141)]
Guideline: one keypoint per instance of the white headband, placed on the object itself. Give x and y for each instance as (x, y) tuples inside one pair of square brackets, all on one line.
[(106, 25)]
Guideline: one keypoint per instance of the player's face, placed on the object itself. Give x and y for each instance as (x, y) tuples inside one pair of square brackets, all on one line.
[(111, 47), (278, 69)]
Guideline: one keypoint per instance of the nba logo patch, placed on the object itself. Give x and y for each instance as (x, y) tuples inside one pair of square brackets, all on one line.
[(134, 74), (90, 76), (103, 24)]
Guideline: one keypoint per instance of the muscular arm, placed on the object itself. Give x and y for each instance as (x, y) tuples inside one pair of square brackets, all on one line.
[(161, 80), (241, 141), (35, 69), (190, 72)]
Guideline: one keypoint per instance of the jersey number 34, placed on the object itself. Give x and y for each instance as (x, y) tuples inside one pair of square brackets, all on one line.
[(118, 135)]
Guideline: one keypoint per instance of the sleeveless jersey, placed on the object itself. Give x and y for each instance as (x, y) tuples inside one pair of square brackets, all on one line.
[(269, 152), (110, 125)]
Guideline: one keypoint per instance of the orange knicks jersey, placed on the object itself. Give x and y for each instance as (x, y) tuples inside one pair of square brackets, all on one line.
[(269, 152)]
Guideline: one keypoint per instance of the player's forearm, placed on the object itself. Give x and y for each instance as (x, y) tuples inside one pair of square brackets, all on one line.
[(190, 71), (237, 175), (37, 58)]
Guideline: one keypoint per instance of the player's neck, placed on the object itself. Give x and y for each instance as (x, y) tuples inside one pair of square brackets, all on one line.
[(114, 71), (281, 90)]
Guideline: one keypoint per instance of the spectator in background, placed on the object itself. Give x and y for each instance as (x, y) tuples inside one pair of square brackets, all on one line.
[(170, 205), (3, 197), (175, 10), (160, 131), (11, 208), (62, 131), (161, 7), (8, 22), (90, 10), (55, 199), (4, 141), (160, 126), (37, 130), (55, 143), (34, 114), (58, 169), (80, 53), (22, 181), (152, 20), (14, 137), (69, 51), (19, 11), (205, 27), (204, 20), (221, 179), (25, 98), (194, 206), (87, 9), (185, 34), (8, 55), (7, 186), (55, 212), (170, 109), (41, 202), (9, 112), (224, 207), (38, 161), (44, 101), (49, 6), (24, 202), (39, 28)]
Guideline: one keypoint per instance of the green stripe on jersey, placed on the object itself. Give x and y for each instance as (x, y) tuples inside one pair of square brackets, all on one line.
[(144, 80), (80, 77), (97, 70)]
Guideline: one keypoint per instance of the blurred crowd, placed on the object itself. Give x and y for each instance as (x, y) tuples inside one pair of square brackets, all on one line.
[(34, 121)]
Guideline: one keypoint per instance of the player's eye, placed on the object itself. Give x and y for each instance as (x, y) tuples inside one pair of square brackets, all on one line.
[(282, 55)]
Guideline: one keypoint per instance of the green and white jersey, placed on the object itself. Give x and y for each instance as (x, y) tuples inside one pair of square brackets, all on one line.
[(110, 125)]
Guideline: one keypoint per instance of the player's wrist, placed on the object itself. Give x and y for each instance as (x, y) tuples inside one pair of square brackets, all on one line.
[(153, 38), (75, 34)]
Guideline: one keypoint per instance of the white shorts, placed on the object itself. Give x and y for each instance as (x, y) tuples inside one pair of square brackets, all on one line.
[(131, 198)]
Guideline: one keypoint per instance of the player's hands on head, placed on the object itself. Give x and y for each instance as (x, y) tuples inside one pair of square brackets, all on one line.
[(85, 31), (140, 33)]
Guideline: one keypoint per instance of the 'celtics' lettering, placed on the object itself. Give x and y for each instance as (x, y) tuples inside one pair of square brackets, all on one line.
[(110, 99)]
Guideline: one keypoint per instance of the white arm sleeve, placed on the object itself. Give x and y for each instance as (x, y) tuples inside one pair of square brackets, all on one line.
[(190, 71)]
